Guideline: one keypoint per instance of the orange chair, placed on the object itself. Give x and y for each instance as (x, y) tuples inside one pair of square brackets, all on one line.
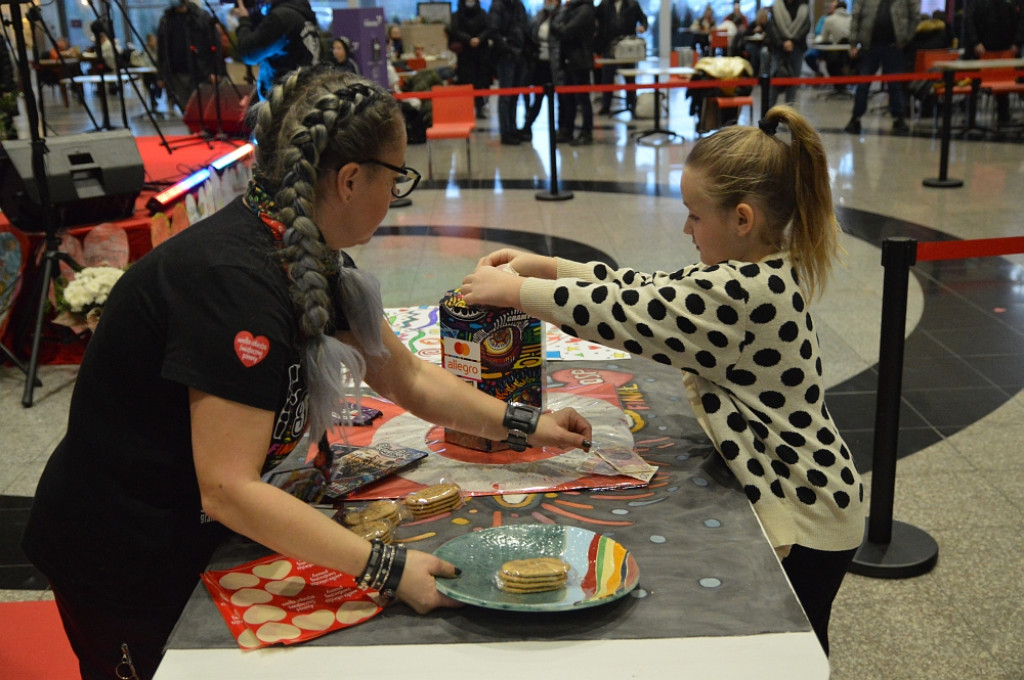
[(719, 42), (736, 103), (454, 117), (925, 60), (415, 63), (1000, 81)]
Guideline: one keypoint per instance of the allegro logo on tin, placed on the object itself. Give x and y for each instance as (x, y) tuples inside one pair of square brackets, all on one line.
[(464, 349)]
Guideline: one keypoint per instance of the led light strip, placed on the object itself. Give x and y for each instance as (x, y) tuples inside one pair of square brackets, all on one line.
[(160, 201)]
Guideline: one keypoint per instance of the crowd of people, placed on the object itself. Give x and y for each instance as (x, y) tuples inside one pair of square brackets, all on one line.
[(573, 42)]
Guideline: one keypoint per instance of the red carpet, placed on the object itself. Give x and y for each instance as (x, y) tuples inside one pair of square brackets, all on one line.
[(32, 643)]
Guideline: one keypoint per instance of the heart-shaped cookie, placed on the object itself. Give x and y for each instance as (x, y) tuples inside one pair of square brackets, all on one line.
[(274, 571), (275, 632), (321, 619), (261, 613), (235, 580), (355, 611), (289, 587), (246, 597)]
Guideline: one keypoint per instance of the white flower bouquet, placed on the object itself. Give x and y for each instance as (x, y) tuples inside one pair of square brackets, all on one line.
[(80, 301)]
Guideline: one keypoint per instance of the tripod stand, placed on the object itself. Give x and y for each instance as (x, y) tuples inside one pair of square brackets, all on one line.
[(126, 76), (52, 255), (36, 19)]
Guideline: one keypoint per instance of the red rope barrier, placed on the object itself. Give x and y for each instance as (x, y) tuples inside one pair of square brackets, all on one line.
[(961, 250), (691, 84)]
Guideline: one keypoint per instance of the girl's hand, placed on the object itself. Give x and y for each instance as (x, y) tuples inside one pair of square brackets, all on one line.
[(489, 286), (564, 428), (417, 588), (522, 263)]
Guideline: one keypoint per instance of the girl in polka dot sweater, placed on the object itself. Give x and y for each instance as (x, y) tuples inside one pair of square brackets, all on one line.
[(738, 327)]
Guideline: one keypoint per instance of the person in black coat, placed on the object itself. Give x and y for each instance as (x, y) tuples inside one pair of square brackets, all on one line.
[(617, 19), (280, 42), (994, 26), (510, 34), (469, 37), (341, 55), (574, 27), (186, 52)]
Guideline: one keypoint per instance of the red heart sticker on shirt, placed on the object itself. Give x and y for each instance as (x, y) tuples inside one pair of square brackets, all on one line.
[(251, 350)]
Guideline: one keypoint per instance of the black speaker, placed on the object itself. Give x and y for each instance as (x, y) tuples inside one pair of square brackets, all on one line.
[(233, 100), (93, 177)]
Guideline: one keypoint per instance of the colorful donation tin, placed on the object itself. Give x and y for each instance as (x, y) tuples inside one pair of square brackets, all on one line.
[(499, 349)]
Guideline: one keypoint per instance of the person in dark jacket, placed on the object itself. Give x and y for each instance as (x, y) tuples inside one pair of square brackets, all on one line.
[(469, 37), (879, 30), (341, 53), (574, 27), (545, 66), (617, 19), (786, 40), (284, 39), (994, 26), (510, 33), (187, 51)]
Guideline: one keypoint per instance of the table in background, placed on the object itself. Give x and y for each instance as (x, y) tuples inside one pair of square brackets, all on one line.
[(712, 600), (611, 61), (949, 70), (657, 73)]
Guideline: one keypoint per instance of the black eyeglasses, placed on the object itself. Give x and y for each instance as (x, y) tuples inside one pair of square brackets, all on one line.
[(406, 182)]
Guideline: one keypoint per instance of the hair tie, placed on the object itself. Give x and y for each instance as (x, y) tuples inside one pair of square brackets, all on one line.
[(769, 127)]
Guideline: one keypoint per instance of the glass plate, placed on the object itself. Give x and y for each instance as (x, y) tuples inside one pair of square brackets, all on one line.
[(601, 570)]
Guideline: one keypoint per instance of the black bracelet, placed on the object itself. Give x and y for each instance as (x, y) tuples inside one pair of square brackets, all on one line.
[(390, 588), (373, 564), (521, 421)]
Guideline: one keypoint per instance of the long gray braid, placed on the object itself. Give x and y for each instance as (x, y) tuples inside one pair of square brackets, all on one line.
[(318, 120)]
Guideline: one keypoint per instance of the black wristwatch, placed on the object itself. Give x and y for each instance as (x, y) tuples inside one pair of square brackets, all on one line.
[(521, 421)]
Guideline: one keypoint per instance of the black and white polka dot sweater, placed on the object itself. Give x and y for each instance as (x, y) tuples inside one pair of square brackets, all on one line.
[(746, 344)]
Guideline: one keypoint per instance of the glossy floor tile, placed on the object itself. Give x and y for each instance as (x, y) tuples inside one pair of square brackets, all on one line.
[(960, 475)]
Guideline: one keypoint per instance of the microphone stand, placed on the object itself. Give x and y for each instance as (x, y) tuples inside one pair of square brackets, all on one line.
[(52, 254), (145, 102), (36, 18)]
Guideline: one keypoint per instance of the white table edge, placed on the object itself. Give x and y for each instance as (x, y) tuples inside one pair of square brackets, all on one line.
[(766, 657)]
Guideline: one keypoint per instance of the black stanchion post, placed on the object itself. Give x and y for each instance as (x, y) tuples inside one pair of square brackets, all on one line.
[(765, 84), (943, 181), (552, 194), (892, 549)]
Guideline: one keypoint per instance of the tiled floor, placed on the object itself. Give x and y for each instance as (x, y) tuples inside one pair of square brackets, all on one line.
[(961, 470)]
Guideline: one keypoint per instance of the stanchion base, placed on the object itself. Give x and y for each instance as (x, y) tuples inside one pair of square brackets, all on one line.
[(550, 196), (401, 202), (939, 183), (911, 552)]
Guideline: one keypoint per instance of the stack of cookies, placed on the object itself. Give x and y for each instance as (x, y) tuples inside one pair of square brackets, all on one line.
[(433, 500), (374, 528), (533, 575)]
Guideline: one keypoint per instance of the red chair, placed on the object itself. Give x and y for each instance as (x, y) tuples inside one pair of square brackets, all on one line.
[(719, 42), (454, 117), (925, 61), (1000, 81)]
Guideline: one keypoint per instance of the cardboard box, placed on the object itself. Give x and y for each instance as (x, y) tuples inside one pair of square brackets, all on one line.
[(500, 350)]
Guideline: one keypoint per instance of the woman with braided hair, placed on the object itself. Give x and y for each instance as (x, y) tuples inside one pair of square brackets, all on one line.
[(217, 351)]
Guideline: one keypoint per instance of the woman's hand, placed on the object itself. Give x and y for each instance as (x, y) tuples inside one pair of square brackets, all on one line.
[(522, 263), (417, 588), (564, 428), (490, 286)]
